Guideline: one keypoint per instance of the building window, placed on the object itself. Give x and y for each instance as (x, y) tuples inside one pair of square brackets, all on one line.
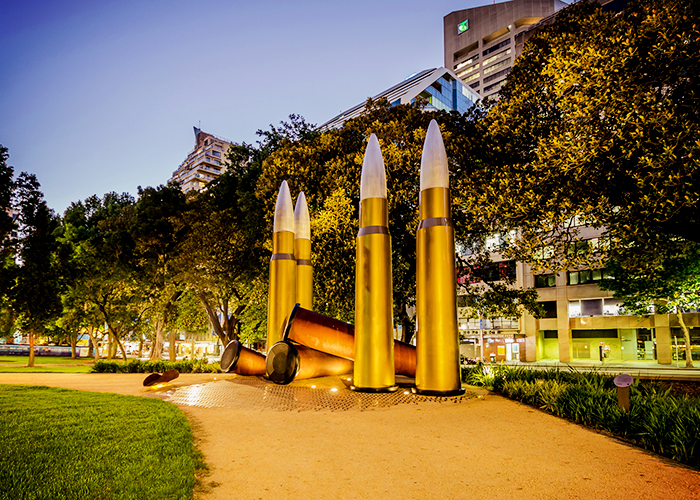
[(467, 62), (550, 308), (471, 78), (494, 67), (491, 87), (494, 57), (216, 153), (545, 280), (464, 73), (474, 85), (496, 47), (586, 276), (497, 75)]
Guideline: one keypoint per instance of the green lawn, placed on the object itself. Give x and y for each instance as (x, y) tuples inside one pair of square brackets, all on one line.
[(45, 364), (46, 360), (63, 444)]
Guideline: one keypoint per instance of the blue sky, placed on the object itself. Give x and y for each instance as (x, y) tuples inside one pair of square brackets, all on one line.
[(99, 96)]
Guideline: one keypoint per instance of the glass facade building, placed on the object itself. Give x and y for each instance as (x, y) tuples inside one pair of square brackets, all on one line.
[(440, 87)]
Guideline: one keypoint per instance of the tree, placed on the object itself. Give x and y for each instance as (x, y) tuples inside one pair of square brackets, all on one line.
[(35, 293), (670, 289), (600, 122), (156, 232), (102, 287), (327, 167), (7, 244)]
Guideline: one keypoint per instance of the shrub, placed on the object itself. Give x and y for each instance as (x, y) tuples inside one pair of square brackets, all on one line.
[(137, 366)]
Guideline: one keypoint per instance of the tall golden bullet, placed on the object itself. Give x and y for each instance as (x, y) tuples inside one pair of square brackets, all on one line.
[(437, 341), (302, 252), (283, 268), (374, 342)]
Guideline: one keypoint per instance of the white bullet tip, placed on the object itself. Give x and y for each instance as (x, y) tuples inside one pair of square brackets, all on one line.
[(373, 179), (433, 164), (284, 210), (302, 223)]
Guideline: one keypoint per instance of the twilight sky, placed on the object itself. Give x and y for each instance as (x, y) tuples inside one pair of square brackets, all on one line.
[(102, 95)]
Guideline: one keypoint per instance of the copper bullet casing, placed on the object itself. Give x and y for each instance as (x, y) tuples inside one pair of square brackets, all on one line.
[(237, 358), (287, 362), (305, 273), (336, 337), (374, 343), (283, 277), (437, 345)]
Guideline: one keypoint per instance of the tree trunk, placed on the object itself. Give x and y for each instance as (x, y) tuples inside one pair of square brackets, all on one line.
[(140, 344), (121, 347), (171, 339), (73, 342), (158, 342), (213, 319), (686, 336), (407, 328), (31, 348)]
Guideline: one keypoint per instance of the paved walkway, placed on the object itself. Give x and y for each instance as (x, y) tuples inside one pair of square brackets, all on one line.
[(485, 447)]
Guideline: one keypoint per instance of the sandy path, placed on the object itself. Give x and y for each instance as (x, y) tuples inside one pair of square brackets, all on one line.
[(490, 448)]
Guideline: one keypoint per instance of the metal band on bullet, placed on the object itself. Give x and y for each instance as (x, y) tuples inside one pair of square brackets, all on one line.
[(282, 256), (303, 262), (434, 221), (373, 230)]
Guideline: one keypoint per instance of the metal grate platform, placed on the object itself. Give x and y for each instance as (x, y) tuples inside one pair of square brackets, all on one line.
[(247, 393)]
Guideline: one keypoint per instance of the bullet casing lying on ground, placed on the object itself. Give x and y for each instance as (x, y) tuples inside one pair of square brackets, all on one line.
[(287, 361), (237, 358), (336, 337)]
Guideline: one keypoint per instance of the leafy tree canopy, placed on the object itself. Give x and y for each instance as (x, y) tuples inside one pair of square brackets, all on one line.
[(600, 121)]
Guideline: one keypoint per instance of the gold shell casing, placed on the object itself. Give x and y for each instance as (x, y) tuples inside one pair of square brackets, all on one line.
[(437, 340), (282, 293), (305, 273), (374, 342)]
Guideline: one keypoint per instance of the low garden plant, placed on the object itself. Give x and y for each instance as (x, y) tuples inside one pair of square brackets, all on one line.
[(658, 420), (137, 366), (64, 444)]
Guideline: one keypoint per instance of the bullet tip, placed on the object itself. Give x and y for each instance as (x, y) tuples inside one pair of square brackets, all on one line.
[(433, 165), (302, 223), (284, 210), (373, 179)]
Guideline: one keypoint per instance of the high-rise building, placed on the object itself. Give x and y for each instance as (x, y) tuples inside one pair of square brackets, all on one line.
[(440, 87), (480, 43), (203, 164), (582, 322)]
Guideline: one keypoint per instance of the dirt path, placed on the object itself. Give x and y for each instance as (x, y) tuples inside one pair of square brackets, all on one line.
[(486, 448)]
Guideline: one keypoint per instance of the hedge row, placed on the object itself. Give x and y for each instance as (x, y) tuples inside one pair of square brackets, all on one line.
[(137, 366), (658, 420)]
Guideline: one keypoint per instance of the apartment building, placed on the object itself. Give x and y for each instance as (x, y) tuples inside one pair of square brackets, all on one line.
[(203, 164)]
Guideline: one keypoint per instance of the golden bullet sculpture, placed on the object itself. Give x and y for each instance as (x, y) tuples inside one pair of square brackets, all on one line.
[(374, 342), (437, 340), (302, 252), (287, 362), (237, 358), (283, 268), (336, 337)]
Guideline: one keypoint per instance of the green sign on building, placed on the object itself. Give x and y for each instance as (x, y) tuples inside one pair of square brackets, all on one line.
[(463, 26)]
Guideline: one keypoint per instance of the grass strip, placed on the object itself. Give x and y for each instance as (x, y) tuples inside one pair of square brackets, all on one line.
[(64, 444)]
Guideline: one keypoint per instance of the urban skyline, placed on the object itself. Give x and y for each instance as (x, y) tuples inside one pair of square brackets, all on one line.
[(102, 97)]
